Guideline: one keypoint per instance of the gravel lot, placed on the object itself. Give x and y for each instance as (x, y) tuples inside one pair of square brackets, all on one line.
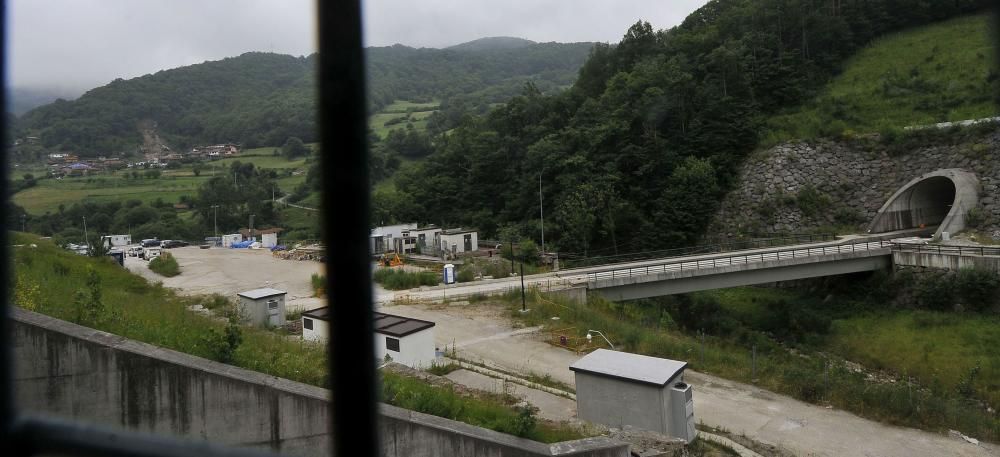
[(228, 271)]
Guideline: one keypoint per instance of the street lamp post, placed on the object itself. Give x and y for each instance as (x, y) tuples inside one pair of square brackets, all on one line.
[(215, 221), (590, 337), (541, 210)]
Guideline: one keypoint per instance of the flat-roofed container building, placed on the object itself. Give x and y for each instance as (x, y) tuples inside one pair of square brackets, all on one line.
[(405, 340), (619, 388)]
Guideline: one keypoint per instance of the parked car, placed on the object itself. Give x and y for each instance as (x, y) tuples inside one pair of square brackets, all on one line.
[(150, 253), (172, 244), (134, 251), (151, 243)]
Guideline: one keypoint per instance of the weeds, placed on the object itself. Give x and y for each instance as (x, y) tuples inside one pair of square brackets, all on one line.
[(165, 265), (395, 279)]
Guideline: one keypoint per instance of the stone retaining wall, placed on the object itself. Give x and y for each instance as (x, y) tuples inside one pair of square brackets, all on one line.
[(851, 180)]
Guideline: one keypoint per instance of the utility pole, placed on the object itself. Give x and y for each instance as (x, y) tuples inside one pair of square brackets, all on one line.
[(541, 210), (22, 223), (216, 220), (251, 225), (86, 239)]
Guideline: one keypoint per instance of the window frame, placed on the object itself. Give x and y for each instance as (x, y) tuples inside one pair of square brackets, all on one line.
[(394, 341)]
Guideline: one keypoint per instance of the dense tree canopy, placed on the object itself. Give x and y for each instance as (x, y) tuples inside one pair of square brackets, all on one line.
[(639, 152)]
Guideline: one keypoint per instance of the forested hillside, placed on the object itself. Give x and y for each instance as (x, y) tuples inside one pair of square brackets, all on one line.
[(262, 99), (639, 152)]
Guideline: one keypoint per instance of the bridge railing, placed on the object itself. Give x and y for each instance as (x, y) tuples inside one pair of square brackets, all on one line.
[(741, 259), (946, 249), (573, 261)]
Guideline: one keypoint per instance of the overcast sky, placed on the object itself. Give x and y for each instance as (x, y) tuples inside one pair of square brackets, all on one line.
[(81, 44)]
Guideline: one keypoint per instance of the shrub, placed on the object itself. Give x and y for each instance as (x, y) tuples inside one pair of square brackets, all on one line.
[(318, 284), (165, 265), (529, 252), (465, 275), (394, 279), (975, 218), (812, 202), (442, 370), (976, 287)]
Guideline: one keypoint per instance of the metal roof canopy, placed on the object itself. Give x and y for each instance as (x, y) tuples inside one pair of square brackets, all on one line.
[(386, 324), (629, 367), (261, 293)]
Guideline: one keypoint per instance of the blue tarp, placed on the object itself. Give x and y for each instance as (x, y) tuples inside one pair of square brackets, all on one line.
[(241, 244)]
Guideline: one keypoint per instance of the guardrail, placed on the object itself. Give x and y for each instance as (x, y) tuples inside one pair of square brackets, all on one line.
[(945, 249), (691, 264), (568, 261)]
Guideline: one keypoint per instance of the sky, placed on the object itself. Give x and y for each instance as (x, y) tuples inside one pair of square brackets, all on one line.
[(81, 44)]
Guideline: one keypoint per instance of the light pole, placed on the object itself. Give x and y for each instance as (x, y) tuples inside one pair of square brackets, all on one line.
[(215, 220), (251, 225), (541, 210), (86, 239), (590, 337)]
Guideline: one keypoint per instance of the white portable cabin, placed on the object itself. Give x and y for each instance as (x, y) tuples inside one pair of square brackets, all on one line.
[(114, 241), (619, 388), (269, 240), (458, 241), (404, 340), (263, 307), (228, 240)]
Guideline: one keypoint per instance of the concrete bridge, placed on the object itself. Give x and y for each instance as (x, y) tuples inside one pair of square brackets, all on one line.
[(734, 269), (677, 275)]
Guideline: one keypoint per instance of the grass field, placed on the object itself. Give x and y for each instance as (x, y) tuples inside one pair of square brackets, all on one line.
[(402, 106), (48, 194), (417, 112), (903, 79)]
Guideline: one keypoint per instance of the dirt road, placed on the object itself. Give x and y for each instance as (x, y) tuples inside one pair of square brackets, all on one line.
[(483, 333)]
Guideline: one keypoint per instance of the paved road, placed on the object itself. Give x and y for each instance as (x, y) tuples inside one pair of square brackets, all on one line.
[(764, 416)]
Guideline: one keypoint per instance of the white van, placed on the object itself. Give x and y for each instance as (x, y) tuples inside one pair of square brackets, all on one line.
[(150, 253)]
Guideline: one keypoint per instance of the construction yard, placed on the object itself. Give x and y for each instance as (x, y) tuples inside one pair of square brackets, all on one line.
[(229, 271)]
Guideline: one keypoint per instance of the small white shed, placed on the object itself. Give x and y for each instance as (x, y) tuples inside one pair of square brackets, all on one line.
[(458, 241), (618, 388), (269, 240), (316, 324), (263, 307), (228, 240), (405, 340)]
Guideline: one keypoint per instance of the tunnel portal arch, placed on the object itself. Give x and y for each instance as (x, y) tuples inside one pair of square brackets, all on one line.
[(940, 198)]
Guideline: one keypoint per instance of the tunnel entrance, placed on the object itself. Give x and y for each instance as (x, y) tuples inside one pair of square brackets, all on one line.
[(940, 199)]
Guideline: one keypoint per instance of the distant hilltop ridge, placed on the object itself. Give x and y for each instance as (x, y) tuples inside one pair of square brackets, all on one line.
[(492, 43)]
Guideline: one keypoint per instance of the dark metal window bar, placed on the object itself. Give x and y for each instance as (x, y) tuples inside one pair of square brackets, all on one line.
[(342, 129)]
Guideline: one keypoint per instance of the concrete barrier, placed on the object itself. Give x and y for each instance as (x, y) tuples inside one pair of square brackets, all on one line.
[(946, 261), (75, 372)]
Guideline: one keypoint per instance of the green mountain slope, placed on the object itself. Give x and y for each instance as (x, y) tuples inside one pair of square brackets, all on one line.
[(936, 73), (492, 43), (261, 99)]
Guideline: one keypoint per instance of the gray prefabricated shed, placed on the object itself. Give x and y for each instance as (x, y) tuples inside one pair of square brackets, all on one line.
[(263, 307), (618, 388)]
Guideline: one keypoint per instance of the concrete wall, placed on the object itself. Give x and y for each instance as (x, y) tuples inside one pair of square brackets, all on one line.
[(952, 262), (66, 370), (616, 403), (416, 350)]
